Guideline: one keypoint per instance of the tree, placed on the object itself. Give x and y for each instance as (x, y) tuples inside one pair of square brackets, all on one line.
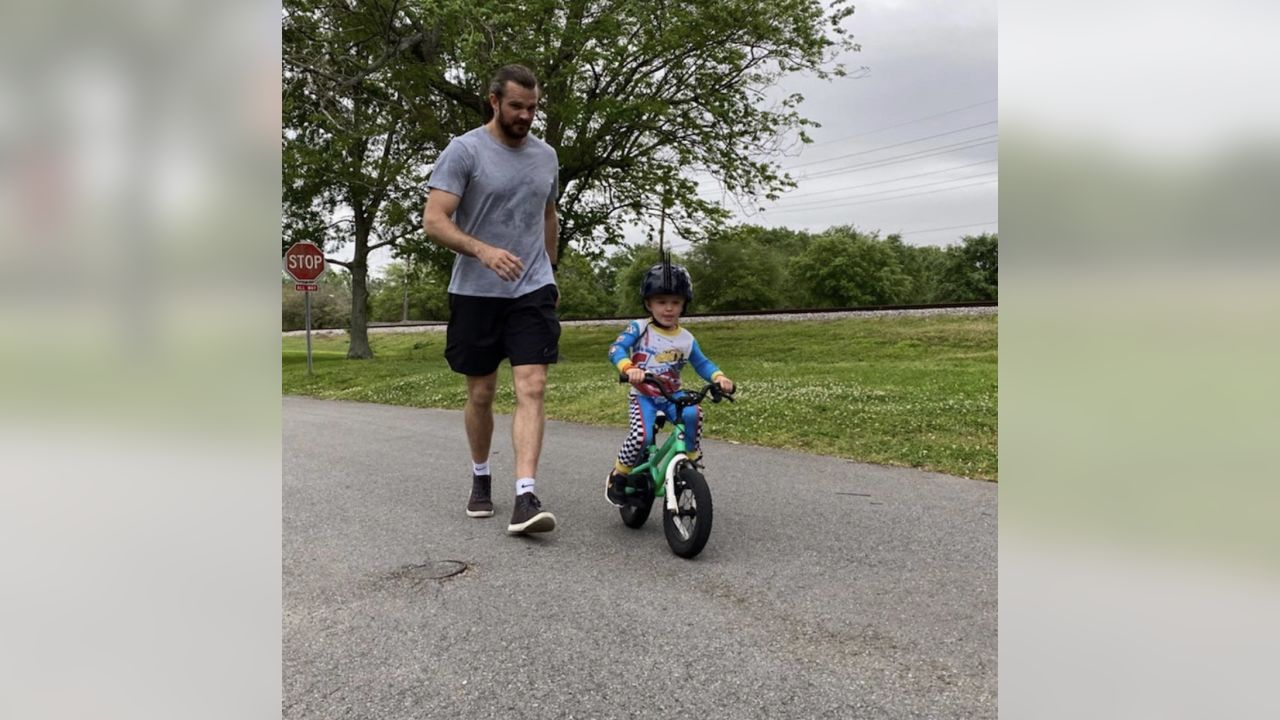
[(843, 267), (632, 264), (411, 291), (973, 272), (745, 268), (582, 292), (640, 95), (638, 98), (353, 139), (926, 267), (330, 305)]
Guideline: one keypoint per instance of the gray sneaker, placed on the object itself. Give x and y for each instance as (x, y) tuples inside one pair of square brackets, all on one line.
[(481, 504), (529, 517)]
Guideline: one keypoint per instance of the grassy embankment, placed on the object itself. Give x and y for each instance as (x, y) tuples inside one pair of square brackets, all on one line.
[(914, 391)]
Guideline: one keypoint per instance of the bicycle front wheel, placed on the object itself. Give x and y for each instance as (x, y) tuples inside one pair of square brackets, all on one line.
[(688, 528)]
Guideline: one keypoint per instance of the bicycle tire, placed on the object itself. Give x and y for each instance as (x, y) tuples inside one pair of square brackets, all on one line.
[(639, 504), (693, 512)]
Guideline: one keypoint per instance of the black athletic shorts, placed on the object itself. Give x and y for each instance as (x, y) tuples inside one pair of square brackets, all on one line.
[(484, 330)]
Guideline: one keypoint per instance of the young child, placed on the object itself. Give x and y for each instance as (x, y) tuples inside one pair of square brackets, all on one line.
[(657, 345)]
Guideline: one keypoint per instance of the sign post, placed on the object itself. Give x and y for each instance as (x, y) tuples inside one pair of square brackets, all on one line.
[(304, 262)]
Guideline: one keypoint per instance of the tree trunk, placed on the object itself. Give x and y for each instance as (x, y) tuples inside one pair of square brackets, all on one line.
[(359, 348)]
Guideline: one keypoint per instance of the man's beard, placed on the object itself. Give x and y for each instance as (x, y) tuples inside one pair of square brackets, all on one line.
[(512, 130)]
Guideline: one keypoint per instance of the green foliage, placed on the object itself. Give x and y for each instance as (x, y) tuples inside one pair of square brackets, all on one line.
[(843, 267), (745, 268), (640, 93), (353, 137), (330, 305), (354, 130), (631, 266), (973, 270), (582, 290), (635, 96), (925, 266), (424, 290), (737, 268)]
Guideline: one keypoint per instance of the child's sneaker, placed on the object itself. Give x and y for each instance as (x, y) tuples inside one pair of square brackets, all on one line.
[(615, 489)]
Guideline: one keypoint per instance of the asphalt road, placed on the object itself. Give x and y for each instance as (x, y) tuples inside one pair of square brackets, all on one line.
[(829, 589)]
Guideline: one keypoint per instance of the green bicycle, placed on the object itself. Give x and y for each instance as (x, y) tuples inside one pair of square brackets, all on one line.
[(686, 518)]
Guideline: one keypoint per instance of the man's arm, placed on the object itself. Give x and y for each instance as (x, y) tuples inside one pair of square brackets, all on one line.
[(437, 222), (552, 229)]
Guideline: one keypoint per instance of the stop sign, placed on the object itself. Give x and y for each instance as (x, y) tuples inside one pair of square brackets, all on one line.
[(304, 262)]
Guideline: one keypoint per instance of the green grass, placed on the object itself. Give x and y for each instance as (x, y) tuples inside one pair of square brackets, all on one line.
[(913, 391)]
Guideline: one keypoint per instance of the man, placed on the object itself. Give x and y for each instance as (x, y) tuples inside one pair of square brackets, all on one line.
[(492, 201)]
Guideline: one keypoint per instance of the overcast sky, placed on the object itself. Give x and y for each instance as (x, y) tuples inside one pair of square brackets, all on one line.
[(908, 144)]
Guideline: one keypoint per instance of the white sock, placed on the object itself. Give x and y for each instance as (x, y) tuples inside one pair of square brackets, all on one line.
[(524, 485), (480, 468)]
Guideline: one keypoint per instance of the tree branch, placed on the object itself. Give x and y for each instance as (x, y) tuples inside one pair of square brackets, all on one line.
[(404, 44), (391, 241)]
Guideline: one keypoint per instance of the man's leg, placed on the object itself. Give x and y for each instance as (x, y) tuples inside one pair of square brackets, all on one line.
[(526, 435), (478, 419), (530, 418), (478, 415), (531, 340)]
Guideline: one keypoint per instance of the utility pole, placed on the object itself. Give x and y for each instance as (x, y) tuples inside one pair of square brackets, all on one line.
[(408, 275)]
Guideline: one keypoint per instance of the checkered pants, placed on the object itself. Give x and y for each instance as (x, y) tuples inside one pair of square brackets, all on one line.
[(641, 412)]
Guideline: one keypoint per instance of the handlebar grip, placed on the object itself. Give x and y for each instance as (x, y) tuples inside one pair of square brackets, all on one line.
[(648, 377)]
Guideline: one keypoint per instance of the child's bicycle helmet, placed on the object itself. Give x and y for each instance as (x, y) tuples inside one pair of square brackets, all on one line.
[(667, 279)]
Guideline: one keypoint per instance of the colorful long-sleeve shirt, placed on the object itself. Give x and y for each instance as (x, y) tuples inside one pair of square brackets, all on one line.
[(645, 345)]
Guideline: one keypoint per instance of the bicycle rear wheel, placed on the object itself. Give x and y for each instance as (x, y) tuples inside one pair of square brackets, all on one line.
[(688, 528), (639, 502)]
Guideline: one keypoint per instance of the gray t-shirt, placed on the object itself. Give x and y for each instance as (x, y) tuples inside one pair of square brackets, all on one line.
[(505, 192)]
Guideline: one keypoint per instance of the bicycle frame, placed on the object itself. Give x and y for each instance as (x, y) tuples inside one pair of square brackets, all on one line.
[(664, 459), (661, 463)]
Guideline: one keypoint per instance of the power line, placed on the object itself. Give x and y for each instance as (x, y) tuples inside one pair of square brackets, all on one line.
[(909, 187), (886, 182), (897, 159), (887, 147), (908, 157), (908, 122), (816, 206), (951, 227), (891, 127)]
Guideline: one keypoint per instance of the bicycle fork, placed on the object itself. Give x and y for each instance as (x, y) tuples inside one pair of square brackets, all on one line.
[(672, 502)]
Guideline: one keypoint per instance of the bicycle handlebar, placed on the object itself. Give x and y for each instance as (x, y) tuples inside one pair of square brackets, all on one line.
[(689, 398)]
